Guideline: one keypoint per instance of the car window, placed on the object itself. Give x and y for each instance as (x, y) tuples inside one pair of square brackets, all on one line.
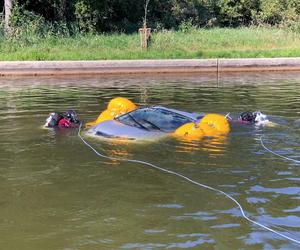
[(154, 119)]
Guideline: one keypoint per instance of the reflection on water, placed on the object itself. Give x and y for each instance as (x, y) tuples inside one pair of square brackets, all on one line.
[(214, 145), (57, 194)]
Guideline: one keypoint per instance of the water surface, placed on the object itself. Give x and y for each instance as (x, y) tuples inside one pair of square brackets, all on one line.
[(55, 193)]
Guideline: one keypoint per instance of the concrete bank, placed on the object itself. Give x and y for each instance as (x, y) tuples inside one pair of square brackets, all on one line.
[(107, 67)]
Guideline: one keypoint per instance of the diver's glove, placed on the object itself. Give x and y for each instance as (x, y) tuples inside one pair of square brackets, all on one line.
[(260, 118)]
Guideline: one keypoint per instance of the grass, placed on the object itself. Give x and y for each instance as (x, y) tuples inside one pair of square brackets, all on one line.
[(197, 43)]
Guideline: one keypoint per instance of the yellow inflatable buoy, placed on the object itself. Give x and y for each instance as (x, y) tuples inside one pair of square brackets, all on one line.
[(209, 125), (104, 116), (214, 124), (121, 105), (117, 106), (189, 131)]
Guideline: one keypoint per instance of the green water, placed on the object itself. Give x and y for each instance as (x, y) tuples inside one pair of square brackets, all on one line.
[(55, 193)]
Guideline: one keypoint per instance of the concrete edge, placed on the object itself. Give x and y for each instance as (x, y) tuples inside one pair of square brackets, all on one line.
[(108, 67)]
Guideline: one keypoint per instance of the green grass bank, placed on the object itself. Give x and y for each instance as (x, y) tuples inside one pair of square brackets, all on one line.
[(192, 44)]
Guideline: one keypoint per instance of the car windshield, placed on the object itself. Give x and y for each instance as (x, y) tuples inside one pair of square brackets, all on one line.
[(154, 119)]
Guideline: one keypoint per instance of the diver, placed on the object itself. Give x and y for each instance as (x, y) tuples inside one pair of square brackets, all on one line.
[(249, 117), (67, 119)]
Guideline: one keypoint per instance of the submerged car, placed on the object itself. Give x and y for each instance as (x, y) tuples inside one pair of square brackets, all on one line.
[(122, 119), (144, 123)]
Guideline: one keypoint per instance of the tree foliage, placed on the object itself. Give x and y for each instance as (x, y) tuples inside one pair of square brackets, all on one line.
[(87, 16)]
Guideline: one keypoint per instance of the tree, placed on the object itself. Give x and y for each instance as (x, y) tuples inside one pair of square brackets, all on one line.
[(7, 10), (145, 14)]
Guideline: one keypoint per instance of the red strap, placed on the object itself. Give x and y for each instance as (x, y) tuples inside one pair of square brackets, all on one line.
[(64, 123)]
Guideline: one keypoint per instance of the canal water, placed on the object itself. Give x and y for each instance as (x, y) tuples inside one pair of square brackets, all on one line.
[(55, 193)]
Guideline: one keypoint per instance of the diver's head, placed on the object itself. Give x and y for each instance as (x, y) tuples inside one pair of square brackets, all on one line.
[(247, 117), (71, 116)]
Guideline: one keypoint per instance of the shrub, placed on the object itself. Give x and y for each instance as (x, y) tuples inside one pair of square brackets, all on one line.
[(86, 17)]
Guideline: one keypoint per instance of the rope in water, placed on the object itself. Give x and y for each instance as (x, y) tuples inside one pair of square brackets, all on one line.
[(189, 180), (274, 153)]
